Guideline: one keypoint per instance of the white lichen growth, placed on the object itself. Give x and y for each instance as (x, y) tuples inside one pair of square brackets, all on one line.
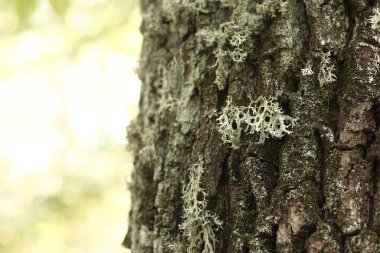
[(197, 5), (238, 55), (377, 61), (199, 224), (239, 37), (326, 68), (229, 39), (235, 34), (165, 101), (221, 71), (374, 20), (176, 247), (263, 116), (228, 3), (173, 6), (208, 36), (269, 120), (230, 123), (271, 8), (307, 70)]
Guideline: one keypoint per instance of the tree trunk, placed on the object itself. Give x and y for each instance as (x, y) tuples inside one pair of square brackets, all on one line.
[(209, 69)]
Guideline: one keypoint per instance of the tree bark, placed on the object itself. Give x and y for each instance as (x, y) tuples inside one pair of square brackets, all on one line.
[(313, 190)]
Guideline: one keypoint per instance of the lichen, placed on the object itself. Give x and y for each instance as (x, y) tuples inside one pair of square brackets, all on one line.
[(326, 68), (199, 224), (197, 6), (307, 70), (374, 20), (271, 8), (263, 116), (230, 38), (228, 3)]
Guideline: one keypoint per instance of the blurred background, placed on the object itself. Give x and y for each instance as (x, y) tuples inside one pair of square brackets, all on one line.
[(67, 92)]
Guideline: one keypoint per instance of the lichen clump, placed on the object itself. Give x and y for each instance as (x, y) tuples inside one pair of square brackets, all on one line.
[(374, 20), (229, 39), (263, 116), (326, 68), (198, 224)]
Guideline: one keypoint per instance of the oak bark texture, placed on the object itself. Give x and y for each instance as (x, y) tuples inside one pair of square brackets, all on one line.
[(315, 190)]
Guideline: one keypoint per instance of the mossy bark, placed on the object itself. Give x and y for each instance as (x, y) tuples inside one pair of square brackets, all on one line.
[(315, 190)]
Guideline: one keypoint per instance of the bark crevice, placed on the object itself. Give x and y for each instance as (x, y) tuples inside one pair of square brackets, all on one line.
[(350, 12), (224, 186)]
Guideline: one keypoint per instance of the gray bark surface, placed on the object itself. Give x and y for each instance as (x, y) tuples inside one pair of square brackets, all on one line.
[(314, 190)]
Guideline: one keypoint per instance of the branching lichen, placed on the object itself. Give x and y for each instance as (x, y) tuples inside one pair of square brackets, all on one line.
[(270, 8), (307, 70), (238, 55), (263, 116), (198, 224), (268, 119), (208, 36), (230, 123), (229, 39), (221, 72), (326, 68), (228, 3), (374, 20), (197, 5), (236, 34), (173, 6), (165, 101)]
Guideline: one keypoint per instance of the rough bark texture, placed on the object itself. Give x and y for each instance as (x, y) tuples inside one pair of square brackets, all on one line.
[(314, 190)]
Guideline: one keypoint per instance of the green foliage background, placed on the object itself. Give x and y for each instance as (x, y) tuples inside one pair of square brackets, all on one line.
[(67, 92)]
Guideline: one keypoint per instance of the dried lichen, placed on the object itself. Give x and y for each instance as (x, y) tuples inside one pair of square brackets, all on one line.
[(326, 68), (271, 8), (374, 20), (230, 39), (307, 70), (198, 223), (263, 116)]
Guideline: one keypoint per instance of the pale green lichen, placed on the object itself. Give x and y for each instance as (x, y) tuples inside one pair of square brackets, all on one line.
[(228, 3), (269, 119), (271, 8), (326, 68), (173, 6), (236, 34), (229, 39), (374, 20), (208, 36), (221, 72), (262, 116), (238, 55), (197, 5), (199, 224), (165, 101), (230, 123), (307, 70), (176, 247)]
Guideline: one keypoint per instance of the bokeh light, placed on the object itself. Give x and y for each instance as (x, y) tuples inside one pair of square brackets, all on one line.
[(68, 89)]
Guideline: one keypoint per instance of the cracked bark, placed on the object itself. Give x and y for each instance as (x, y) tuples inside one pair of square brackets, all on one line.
[(316, 190)]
